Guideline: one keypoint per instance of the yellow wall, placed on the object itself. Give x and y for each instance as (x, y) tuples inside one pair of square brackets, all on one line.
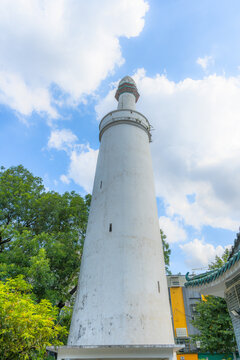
[(187, 357), (178, 310)]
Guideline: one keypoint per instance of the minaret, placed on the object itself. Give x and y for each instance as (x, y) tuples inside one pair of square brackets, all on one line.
[(122, 300)]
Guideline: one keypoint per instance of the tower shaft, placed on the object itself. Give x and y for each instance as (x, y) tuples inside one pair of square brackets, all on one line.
[(122, 295)]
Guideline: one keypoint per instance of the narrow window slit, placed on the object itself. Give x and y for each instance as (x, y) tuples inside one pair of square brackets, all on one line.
[(110, 227), (158, 286), (100, 184)]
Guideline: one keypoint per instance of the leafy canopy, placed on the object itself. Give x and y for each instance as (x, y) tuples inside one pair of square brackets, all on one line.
[(213, 320), (215, 325), (219, 261), (166, 252), (26, 328), (41, 234)]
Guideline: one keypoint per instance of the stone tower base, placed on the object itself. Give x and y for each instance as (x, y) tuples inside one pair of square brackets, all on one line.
[(163, 352)]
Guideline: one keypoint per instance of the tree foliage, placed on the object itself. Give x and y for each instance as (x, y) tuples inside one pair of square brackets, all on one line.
[(41, 234), (219, 261), (214, 323), (26, 327), (41, 238), (213, 320), (166, 252)]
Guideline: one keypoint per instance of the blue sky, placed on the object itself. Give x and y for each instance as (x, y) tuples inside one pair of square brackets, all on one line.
[(60, 62)]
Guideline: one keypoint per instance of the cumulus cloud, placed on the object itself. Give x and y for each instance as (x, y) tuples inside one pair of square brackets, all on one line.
[(172, 229), (15, 93), (71, 44), (61, 139), (82, 166), (199, 254), (196, 147), (64, 179), (82, 158), (205, 62)]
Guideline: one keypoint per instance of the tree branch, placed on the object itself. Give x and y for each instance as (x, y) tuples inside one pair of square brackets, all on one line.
[(61, 303), (4, 242)]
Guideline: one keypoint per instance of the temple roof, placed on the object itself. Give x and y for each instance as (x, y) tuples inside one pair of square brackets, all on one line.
[(212, 275)]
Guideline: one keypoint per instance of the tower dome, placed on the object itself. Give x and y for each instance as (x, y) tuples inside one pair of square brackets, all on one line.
[(127, 79), (127, 85)]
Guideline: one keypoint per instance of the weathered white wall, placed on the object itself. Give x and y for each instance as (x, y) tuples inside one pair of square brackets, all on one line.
[(118, 300), (126, 101)]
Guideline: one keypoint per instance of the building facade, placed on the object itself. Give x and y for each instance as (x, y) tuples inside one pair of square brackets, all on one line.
[(183, 302), (223, 282), (183, 307)]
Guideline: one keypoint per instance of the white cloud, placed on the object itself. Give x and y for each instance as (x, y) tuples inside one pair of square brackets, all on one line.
[(205, 62), (64, 179), (61, 139), (82, 158), (199, 254), (172, 229), (69, 43), (15, 93), (82, 166), (196, 147)]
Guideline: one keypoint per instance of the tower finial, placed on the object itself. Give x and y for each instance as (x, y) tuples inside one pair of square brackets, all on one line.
[(127, 94), (127, 85)]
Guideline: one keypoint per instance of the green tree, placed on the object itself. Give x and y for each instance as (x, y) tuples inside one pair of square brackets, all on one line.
[(215, 325), (166, 252), (213, 320), (26, 327), (219, 261), (41, 234)]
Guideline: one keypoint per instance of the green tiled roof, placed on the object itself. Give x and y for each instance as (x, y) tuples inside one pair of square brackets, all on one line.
[(212, 275)]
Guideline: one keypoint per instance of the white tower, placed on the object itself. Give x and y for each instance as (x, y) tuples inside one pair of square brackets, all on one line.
[(122, 305)]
